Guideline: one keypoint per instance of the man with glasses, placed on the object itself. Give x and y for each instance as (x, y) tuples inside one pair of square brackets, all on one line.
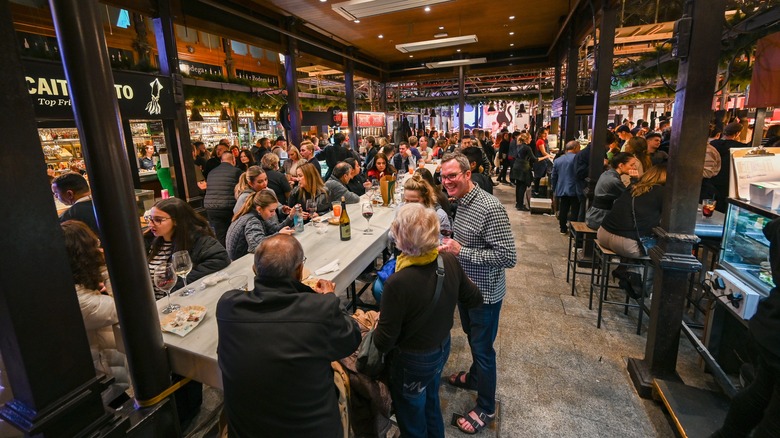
[(282, 385), (483, 242)]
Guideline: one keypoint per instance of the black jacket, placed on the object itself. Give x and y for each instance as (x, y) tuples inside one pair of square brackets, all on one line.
[(84, 212), (332, 155), (221, 181), (279, 184), (207, 255), (276, 344), (765, 324)]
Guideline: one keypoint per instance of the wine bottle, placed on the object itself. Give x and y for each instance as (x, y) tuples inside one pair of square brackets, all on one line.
[(344, 229)]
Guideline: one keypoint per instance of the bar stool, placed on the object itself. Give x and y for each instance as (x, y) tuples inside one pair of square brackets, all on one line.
[(607, 259), (579, 235)]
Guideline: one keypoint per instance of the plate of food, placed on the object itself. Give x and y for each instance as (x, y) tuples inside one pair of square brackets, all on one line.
[(333, 221), (183, 320), (311, 282)]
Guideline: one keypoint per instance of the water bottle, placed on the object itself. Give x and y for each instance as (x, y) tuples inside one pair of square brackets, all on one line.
[(298, 219)]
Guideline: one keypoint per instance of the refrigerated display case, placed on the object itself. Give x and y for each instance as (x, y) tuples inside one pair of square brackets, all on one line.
[(62, 149)]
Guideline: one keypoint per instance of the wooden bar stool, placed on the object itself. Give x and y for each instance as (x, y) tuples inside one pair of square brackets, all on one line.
[(579, 235), (606, 260)]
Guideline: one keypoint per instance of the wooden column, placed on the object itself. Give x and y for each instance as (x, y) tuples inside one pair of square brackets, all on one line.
[(604, 56), (461, 100), (672, 258), (291, 81), (177, 131), (570, 127), (556, 121)]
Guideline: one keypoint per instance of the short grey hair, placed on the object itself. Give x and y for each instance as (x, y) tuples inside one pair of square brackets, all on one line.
[(463, 162), (416, 229), (571, 145), (278, 257), (342, 169)]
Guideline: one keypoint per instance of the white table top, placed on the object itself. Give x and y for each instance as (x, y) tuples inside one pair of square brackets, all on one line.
[(195, 355)]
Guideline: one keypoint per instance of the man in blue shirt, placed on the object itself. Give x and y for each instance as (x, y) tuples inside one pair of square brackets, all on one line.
[(564, 183)]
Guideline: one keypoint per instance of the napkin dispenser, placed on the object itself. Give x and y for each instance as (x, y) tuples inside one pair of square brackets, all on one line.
[(387, 188)]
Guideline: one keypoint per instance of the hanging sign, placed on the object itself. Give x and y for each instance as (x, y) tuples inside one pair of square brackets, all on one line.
[(273, 81), (198, 69), (370, 120), (139, 95)]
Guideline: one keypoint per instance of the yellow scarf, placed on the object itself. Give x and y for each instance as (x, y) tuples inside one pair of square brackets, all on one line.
[(404, 261)]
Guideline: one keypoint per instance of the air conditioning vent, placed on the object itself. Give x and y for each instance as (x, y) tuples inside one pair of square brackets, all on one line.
[(436, 44), (356, 9)]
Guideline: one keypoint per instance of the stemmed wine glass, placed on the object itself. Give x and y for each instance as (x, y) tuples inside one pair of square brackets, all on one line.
[(311, 207), (182, 265), (368, 212), (165, 280)]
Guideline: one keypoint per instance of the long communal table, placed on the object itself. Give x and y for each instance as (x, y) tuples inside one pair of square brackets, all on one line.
[(195, 355)]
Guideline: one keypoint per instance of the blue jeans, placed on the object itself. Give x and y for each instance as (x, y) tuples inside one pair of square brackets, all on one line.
[(414, 387), (481, 327)]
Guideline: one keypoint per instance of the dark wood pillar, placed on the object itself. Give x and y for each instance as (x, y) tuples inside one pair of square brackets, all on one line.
[(177, 131), (604, 56), (229, 63), (572, 64), (291, 80), (672, 258), (383, 97), (461, 101), (556, 121), (42, 336), (349, 88)]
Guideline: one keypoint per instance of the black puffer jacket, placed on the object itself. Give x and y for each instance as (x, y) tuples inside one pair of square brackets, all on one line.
[(221, 182), (765, 324)]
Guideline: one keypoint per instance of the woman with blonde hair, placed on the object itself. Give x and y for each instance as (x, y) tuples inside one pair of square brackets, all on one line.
[(251, 226), (417, 311), (251, 181), (418, 191), (633, 216), (310, 186), (294, 159)]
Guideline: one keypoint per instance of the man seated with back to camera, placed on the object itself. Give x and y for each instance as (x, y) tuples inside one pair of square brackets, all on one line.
[(281, 384), (72, 189)]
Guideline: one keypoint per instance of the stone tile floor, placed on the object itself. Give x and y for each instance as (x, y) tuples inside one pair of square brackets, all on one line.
[(558, 375)]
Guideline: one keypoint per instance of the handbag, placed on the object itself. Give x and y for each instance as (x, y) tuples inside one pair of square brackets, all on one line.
[(370, 361), (646, 242)]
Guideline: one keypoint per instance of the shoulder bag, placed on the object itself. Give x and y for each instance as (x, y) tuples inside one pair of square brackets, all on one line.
[(370, 361), (646, 242)]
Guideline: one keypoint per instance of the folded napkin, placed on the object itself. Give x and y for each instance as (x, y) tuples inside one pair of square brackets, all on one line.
[(330, 267)]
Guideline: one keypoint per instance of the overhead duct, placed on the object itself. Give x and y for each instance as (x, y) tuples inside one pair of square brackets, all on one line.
[(455, 62), (436, 44), (355, 9)]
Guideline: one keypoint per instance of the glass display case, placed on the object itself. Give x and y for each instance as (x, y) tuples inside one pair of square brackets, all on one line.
[(745, 250), (211, 130), (62, 149)]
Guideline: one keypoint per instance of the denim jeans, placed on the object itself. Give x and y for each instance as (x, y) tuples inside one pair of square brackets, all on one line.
[(414, 387), (481, 327)]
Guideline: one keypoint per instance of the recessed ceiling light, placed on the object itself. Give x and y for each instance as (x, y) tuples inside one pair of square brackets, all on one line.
[(427, 9), (511, 17), (511, 33), (458, 50), (323, 1), (357, 21), (512, 45), (441, 27), (411, 56), (380, 36)]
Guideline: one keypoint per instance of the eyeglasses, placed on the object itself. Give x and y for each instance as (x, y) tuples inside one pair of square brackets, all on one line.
[(156, 219), (450, 177)]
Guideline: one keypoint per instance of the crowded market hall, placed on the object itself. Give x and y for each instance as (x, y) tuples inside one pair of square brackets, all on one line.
[(390, 218)]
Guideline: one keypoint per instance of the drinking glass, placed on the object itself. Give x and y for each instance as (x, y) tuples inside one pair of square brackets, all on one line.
[(368, 212), (311, 207), (707, 207), (165, 280), (182, 265)]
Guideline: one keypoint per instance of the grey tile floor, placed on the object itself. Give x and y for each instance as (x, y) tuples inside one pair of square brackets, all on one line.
[(558, 375)]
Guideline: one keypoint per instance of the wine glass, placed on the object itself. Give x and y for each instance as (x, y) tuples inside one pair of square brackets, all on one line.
[(182, 265), (165, 280), (311, 207), (368, 212)]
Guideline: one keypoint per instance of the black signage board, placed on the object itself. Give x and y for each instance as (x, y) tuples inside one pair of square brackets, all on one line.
[(140, 95), (198, 69), (273, 81)]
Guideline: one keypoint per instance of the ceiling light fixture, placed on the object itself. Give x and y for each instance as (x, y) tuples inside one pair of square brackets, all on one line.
[(357, 21), (441, 35), (458, 50), (436, 44), (511, 33), (380, 36), (411, 56), (353, 9), (427, 9), (511, 44), (455, 62), (441, 27), (511, 17)]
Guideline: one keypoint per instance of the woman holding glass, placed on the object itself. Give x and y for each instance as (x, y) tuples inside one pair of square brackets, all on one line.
[(310, 188), (250, 225), (420, 338), (175, 226)]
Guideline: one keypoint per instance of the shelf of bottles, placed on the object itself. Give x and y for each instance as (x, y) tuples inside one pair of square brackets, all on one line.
[(211, 130), (62, 149)]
